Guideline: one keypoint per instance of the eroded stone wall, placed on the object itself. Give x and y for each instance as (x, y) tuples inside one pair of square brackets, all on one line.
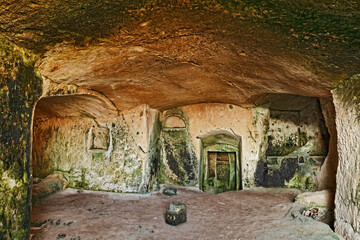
[(202, 120), (326, 179), (178, 164), (295, 144), (347, 198), (144, 147), (20, 87), (97, 154), (209, 119), (284, 145)]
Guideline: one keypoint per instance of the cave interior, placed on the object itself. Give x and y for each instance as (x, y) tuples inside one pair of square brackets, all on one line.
[(218, 96)]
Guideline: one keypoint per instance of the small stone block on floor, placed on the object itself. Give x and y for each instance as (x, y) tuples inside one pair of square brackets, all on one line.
[(176, 214), (170, 191)]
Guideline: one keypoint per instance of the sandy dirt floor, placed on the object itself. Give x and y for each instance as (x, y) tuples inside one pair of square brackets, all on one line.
[(101, 215)]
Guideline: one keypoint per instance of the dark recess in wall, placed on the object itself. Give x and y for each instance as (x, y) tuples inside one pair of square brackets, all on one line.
[(275, 178)]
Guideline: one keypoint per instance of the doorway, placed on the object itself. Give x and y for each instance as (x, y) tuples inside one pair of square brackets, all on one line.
[(220, 163), (222, 170)]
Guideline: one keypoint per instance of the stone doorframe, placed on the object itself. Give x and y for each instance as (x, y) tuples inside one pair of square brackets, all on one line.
[(219, 142)]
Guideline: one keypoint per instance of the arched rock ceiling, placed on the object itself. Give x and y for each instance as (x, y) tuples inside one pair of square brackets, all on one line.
[(172, 53), (81, 105)]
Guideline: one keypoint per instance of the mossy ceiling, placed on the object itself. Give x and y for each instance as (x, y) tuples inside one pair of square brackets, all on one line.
[(172, 53)]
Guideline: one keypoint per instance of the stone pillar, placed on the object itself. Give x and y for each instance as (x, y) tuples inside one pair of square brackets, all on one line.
[(20, 87), (347, 200)]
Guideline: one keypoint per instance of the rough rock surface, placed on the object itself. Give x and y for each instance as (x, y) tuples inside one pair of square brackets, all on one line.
[(166, 54), (47, 187), (323, 198), (20, 87), (296, 226), (347, 202), (149, 53), (110, 70), (320, 214), (176, 214), (104, 155)]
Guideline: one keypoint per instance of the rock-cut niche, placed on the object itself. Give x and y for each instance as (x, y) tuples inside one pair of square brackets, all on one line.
[(178, 156)]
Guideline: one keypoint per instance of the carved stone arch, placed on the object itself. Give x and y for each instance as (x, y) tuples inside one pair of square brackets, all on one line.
[(174, 118), (63, 100), (174, 122)]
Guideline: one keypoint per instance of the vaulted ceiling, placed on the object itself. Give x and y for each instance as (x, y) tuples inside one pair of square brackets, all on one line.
[(172, 53)]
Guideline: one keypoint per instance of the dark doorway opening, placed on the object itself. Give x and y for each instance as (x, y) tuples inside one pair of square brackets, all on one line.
[(220, 168)]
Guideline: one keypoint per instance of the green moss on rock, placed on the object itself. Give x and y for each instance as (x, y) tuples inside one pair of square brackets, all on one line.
[(179, 157), (303, 182), (20, 87), (154, 158), (349, 92)]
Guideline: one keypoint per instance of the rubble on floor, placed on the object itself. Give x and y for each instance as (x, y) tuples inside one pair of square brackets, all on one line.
[(171, 191), (296, 226), (318, 205), (48, 186)]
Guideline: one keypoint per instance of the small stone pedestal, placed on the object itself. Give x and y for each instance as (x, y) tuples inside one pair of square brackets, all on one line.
[(176, 213)]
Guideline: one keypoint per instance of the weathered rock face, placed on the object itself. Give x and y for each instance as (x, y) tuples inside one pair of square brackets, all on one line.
[(144, 74), (100, 155), (72, 101), (329, 168), (324, 198), (296, 226), (319, 205), (184, 58), (323, 33), (20, 87), (182, 146), (193, 135), (296, 144), (347, 201), (179, 163), (48, 186)]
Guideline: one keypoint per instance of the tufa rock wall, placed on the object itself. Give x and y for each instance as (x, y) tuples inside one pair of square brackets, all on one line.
[(295, 144), (280, 145), (143, 147), (326, 179), (347, 200), (97, 154), (215, 118), (179, 164), (20, 87)]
